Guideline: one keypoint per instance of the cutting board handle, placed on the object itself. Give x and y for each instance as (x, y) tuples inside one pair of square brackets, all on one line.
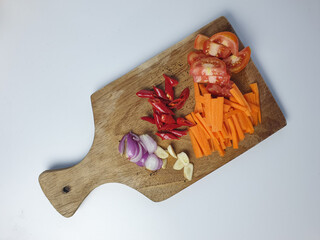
[(66, 188)]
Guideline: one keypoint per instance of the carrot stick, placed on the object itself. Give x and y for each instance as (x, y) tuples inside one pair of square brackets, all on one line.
[(242, 121), (221, 139), (195, 145), (237, 106), (203, 143), (249, 124), (238, 128), (233, 99), (207, 110), (190, 118), (203, 89), (220, 104), (255, 90), (233, 134), (226, 108), (239, 97), (201, 125)]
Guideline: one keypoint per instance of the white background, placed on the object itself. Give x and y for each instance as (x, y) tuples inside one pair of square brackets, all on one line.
[(55, 54)]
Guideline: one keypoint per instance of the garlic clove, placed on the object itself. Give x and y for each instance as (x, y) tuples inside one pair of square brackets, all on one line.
[(161, 153), (188, 171), (171, 151), (178, 165), (184, 158)]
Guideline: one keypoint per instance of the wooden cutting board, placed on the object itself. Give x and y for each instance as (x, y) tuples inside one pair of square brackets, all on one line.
[(117, 110)]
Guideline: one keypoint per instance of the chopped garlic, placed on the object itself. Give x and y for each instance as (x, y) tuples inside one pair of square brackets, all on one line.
[(188, 171), (178, 165), (164, 163), (184, 158), (161, 153), (171, 151)]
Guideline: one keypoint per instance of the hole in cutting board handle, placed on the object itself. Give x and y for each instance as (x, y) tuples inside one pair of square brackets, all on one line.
[(66, 189)]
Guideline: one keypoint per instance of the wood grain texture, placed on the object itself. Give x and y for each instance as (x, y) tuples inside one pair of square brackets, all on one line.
[(117, 110)]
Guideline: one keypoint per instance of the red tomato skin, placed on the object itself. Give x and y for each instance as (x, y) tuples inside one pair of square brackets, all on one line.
[(216, 49), (236, 63), (199, 41), (194, 56), (227, 39), (208, 66)]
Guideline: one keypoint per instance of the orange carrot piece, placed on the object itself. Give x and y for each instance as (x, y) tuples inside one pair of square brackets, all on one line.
[(207, 110), (203, 89), (242, 121), (233, 134), (190, 118), (238, 128), (255, 90), (221, 140), (197, 95), (233, 99), (224, 131), (226, 107), (249, 123), (195, 145), (201, 125), (214, 115), (220, 104), (203, 143), (237, 106), (239, 97)]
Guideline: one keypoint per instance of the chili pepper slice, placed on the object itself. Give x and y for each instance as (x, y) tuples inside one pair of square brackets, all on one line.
[(149, 119), (184, 122), (171, 126), (183, 96), (166, 136), (157, 120), (168, 119), (145, 94), (169, 89), (161, 107), (179, 133), (160, 93), (174, 103), (172, 81)]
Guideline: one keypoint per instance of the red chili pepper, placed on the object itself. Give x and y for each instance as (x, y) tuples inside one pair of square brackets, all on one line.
[(160, 106), (166, 136), (169, 90), (171, 126), (184, 122), (174, 103), (157, 119), (179, 133), (145, 94), (160, 93), (149, 119), (168, 119), (172, 81), (183, 96)]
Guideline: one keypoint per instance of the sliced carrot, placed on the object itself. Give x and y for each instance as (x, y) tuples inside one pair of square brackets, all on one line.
[(224, 131), (221, 140), (239, 97), (207, 110), (249, 123), (237, 106), (233, 134), (203, 89), (201, 125), (233, 99), (203, 143), (238, 128), (255, 90), (226, 107), (219, 113), (242, 121), (195, 145), (190, 118)]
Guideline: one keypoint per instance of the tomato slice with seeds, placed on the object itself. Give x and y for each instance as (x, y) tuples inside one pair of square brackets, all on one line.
[(227, 39), (235, 63), (208, 66), (220, 80), (194, 56), (199, 41), (216, 49)]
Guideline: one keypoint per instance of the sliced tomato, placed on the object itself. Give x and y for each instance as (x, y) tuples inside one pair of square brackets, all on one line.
[(219, 91), (216, 49), (235, 63), (200, 39), (227, 39), (220, 80), (208, 66), (194, 56)]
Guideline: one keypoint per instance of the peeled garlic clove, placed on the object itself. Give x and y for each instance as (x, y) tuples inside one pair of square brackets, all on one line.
[(171, 151), (188, 171), (161, 153), (164, 163), (178, 165), (184, 158)]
